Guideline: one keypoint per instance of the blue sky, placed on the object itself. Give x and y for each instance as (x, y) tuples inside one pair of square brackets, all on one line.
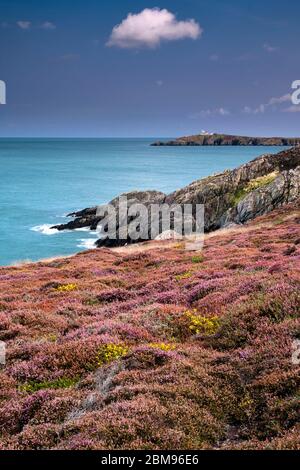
[(233, 74)]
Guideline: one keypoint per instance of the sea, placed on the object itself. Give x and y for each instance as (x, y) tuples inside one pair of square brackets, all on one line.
[(42, 180)]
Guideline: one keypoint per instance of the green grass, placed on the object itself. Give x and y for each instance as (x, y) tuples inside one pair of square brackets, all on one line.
[(252, 185), (34, 386), (197, 259)]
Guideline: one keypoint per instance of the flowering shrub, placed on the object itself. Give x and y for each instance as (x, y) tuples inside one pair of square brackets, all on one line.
[(162, 346), (186, 275), (202, 325), (66, 287), (206, 349), (110, 352)]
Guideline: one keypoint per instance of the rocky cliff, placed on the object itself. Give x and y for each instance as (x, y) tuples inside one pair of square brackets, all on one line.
[(223, 139), (232, 197)]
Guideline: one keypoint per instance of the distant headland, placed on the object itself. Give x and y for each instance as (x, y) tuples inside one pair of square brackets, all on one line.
[(213, 139)]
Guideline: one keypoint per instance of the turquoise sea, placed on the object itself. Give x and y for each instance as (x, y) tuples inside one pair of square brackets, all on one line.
[(41, 180)]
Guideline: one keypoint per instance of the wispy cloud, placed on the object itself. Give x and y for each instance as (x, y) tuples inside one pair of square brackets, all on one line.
[(210, 112), (273, 104), (24, 24), (246, 57), (150, 27), (159, 82), (48, 25), (267, 47), (280, 100), (214, 58), (259, 110), (292, 109)]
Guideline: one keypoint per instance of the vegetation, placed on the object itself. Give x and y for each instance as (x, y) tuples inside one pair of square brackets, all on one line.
[(110, 352), (254, 184), (34, 386), (66, 287), (200, 324), (197, 259), (156, 349)]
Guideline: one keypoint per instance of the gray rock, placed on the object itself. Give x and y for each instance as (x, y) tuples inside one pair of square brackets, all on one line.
[(136, 197), (284, 189), (218, 193)]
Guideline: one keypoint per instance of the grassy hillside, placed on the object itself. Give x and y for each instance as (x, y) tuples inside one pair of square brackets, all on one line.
[(156, 349)]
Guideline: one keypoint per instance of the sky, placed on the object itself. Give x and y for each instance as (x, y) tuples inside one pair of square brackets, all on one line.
[(128, 68)]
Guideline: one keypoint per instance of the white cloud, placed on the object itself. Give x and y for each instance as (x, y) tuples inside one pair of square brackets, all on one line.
[(280, 100), (292, 109), (267, 47), (223, 112), (272, 104), (48, 25), (210, 112), (214, 58), (150, 27), (259, 110), (24, 24), (159, 82), (247, 110)]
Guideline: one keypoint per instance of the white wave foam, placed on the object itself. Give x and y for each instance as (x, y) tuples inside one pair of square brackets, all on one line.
[(82, 229), (45, 229), (87, 243)]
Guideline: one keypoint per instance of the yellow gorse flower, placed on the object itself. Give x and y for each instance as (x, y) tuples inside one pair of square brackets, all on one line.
[(202, 325), (66, 287), (162, 346), (186, 275), (110, 352)]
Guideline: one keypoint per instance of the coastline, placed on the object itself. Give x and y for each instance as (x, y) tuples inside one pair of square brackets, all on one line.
[(153, 244), (221, 140), (69, 187), (232, 197)]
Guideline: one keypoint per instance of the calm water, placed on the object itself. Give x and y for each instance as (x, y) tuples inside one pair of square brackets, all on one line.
[(44, 179)]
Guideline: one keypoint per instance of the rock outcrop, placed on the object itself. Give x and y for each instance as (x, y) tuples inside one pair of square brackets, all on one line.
[(284, 189), (89, 217), (223, 139), (232, 197), (222, 193)]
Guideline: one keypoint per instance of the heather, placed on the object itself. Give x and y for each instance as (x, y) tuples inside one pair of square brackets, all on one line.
[(156, 348)]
